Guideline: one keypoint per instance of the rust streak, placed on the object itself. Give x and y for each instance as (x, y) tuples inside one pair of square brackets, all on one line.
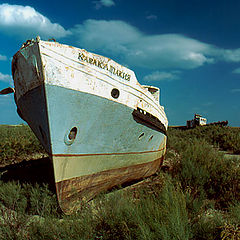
[(71, 192), (100, 154)]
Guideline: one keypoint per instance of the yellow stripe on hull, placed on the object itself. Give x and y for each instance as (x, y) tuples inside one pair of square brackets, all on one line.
[(70, 166)]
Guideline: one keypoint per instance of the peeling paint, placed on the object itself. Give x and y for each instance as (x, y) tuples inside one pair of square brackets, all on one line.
[(99, 125)]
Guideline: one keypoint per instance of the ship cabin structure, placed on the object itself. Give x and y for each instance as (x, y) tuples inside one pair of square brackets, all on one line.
[(197, 121)]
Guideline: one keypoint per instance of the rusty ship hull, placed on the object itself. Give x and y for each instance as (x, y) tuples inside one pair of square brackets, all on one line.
[(100, 127)]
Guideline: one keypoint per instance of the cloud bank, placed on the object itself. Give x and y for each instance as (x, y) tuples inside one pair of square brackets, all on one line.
[(103, 3), (130, 46), (5, 78), (236, 90), (159, 76), (237, 71), (160, 53), (112, 37), (3, 58), (152, 17), (107, 3), (25, 21), (118, 38)]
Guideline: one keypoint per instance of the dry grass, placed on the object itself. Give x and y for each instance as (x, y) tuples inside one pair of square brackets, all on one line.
[(195, 196)]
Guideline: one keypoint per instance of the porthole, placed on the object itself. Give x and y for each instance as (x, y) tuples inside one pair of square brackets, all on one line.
[(140, 136), (70, 136), (150, 138), (115, 93)]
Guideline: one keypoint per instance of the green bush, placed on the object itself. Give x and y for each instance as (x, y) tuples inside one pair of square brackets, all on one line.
[(226, 138), (28, 199), (196, 199), (234, 212), (207, 173), (208, 226), (18, 143), (119, 216)]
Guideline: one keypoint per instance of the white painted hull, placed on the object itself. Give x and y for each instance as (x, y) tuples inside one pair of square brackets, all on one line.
[(119, 137)]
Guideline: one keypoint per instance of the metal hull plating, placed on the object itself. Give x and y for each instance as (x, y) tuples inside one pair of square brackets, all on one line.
[(59, 89)]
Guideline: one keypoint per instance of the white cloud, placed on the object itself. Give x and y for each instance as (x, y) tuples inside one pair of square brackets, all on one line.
[(3, 58), (236, 90), (110, 37), (5, 97), (107, 3), (5, 77), (226, 55), (168, 51), (117, 39), (132, 47), (25, 21), (152, 17), (103, 3), (237, 71), (161, 76), (231, 55)]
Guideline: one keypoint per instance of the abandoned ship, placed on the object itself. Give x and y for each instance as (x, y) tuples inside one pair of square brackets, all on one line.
[(100, 127)]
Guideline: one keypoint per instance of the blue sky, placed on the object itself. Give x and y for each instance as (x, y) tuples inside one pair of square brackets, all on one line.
[(189, 49)]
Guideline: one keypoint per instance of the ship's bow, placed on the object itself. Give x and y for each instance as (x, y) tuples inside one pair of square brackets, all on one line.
[(30, 96)]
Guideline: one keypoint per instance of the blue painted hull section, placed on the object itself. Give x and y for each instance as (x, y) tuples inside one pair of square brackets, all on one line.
[(104, 126)]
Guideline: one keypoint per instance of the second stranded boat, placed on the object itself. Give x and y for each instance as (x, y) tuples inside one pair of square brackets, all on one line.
[(100, 127)]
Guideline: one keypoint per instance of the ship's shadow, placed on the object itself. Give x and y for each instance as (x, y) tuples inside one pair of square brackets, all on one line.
[(37, 171)]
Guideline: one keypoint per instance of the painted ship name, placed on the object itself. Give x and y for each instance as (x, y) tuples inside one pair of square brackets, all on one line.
[(103, 65)]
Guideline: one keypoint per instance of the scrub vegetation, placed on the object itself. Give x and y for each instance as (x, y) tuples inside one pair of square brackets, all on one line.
[(18, 143), (194, 196)]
